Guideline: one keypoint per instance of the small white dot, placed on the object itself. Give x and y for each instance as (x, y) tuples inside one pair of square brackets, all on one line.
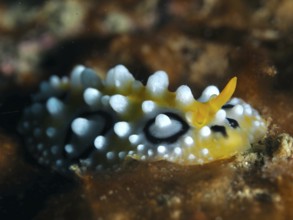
[(184, 95), (119, 76), (191, 157), (220, 116), (80, 126), (55, 81), (110, 155), (122, 154), (119, 103), (205, 151), (188, 141), (76, 74), (161, 149), (69, 148), (178, 150), (157, 83), (122, 128), (100, 142), (59, 163), (208, 92), (91, 96), (248, 109), (238, 110), (130, 152), (140, 147), (133, 139), (162, 121), (150, 152), (51, 132), (89, 78), (256, 123), (148, 106), (54, 106), (205, 131)]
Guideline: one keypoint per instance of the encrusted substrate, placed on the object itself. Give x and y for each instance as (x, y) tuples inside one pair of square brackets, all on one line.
[(255, 185)]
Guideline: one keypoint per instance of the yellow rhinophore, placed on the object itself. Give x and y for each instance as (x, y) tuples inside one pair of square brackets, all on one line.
[(203, 113)]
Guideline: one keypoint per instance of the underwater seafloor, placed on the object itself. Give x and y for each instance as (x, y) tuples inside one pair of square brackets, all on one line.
[(199, 42)]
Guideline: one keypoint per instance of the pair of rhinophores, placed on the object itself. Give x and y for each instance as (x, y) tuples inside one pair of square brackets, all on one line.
[(95, 124)]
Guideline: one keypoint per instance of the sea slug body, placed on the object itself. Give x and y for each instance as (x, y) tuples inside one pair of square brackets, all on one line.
[(96, 124)]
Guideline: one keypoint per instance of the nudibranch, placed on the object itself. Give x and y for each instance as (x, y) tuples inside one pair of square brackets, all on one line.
[(97, 123)]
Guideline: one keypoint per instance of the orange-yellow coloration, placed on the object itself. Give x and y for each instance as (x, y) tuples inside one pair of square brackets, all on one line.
[(203, 113)]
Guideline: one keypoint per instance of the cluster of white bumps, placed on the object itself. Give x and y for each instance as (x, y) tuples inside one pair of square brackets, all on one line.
[(45, 133)]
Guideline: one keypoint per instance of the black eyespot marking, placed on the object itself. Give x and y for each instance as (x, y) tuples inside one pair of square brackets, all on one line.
[(220, 129), (233, 123), (104, 122), (179, 125), (227, 106)]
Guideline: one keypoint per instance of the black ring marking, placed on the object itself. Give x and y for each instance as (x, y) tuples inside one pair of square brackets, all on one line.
[(233, 123), (90, 148), (170, 139), (227, 106), (220, 129)]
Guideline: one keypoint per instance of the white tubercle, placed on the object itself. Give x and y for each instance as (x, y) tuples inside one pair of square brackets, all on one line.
[(237, 111), (157, 83), (133, 139), (140, 147), (55, 81), (69, 148), (162, 121), (110, 155), (89, 78), (91, 96), (75, 76), (247, 109), (235, 101), (100, 142), (220, 117), (122, 155), (178, 151), (161, 149), (51, 132), (205, 131), (122, 128), (148, 106), (205, 151), (208, 92), (184, 95), (80, 126), (54, 106), (119, 103), (188, 141), (119, 77)]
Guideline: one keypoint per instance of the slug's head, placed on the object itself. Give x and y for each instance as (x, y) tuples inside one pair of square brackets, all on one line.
[(203, 112)]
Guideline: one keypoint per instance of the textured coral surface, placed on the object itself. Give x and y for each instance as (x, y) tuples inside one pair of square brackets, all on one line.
[(198, 43)]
